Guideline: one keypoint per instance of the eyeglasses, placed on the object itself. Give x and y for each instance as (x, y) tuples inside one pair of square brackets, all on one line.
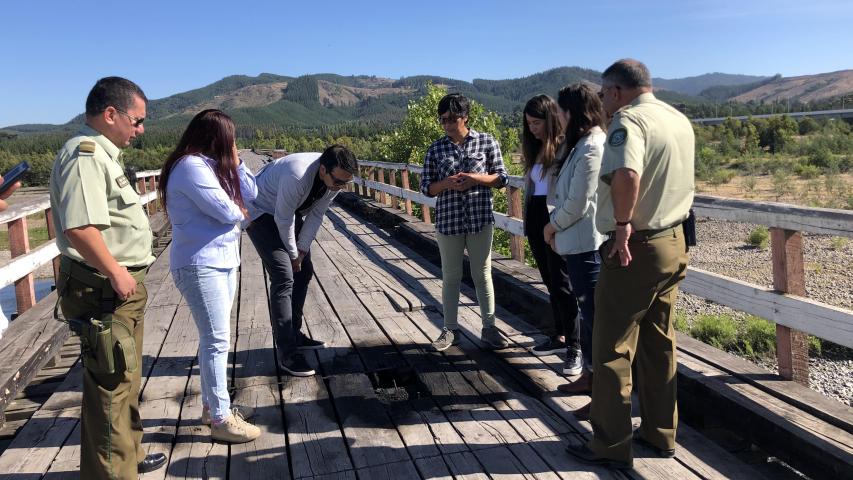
[(337, 181), (137, 121), (448, 120)]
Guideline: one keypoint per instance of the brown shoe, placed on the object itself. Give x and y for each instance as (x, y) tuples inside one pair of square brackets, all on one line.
[(580, 386), (583, 412)]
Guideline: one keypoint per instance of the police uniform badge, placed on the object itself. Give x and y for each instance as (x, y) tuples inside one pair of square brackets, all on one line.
[(122, 181), (618, 137)]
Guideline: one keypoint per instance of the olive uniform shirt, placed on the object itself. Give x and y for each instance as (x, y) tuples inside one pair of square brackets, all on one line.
[(88, 187), (656, 141)]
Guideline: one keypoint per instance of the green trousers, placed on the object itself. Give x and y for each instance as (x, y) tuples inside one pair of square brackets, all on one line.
[(111, 427), (452, 249), (634, 315)]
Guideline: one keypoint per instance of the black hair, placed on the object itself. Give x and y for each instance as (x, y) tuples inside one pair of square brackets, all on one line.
[(341, 157), (456, 104), (113, 92)]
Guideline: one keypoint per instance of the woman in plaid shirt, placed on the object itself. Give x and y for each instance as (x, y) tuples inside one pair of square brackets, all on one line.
[(461, 169)]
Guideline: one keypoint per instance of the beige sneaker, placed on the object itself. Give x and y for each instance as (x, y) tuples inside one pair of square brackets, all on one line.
[(243, 410), (234, 430)]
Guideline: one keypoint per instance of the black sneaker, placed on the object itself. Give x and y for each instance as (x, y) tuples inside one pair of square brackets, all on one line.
[(548, 347), (306, 343), (297, 366)]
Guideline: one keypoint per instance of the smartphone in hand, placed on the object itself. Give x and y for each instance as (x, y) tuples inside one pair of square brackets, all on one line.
[(14, 175)]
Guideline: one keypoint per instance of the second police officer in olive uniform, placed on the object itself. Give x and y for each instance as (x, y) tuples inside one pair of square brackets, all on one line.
[(645, 194), (105, 241)]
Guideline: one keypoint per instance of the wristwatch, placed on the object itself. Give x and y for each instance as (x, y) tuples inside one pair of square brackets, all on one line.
[(622, 224)]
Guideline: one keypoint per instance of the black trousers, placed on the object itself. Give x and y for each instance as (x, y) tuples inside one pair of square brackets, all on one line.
[(552, 267), (288, 289)]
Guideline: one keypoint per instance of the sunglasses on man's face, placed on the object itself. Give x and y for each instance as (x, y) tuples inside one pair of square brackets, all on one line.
[(449, 120), (136, 121)]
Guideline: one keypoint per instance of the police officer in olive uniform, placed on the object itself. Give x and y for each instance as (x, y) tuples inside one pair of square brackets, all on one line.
[(105, 241), (645, 193)]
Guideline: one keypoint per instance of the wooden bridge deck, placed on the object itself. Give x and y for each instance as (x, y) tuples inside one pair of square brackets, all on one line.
[(464, 413)]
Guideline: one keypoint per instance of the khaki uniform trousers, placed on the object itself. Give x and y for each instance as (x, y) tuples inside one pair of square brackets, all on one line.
[(111, 427), (634, 315)]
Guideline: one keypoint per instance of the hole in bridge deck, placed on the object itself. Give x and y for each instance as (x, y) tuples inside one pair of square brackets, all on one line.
[(397, 384)]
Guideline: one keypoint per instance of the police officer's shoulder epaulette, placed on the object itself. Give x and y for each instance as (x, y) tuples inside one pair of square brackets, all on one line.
[(86, 147)]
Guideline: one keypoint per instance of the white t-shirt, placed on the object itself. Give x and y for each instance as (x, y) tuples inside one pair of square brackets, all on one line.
[(540, 185)]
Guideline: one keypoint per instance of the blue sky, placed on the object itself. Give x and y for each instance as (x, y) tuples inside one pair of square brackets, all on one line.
[(53, 51)]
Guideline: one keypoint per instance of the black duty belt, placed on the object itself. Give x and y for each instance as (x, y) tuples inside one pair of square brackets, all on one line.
[(646, 235)]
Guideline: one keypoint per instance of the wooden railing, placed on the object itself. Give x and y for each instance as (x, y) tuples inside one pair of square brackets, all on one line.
[(19, 270), (785, 304)]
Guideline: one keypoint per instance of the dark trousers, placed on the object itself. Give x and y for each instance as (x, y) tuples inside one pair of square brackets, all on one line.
[(110, 423), (635, 310), (288, 289), (583, 269), (552, 267)]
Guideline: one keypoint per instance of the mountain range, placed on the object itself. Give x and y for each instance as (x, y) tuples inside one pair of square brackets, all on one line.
[(370, 102)]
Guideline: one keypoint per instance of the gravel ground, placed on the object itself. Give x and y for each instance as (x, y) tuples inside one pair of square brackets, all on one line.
[(722, 248)]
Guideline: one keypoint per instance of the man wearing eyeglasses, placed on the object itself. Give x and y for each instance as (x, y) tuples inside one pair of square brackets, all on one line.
[(645, 194), (294, 193), (105, 241)]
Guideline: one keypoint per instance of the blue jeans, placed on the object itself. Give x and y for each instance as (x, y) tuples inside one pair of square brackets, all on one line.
[(210, 293), (583, 269)]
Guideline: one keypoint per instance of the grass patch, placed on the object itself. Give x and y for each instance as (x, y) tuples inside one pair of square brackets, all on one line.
[(760, 237), (718, 331), (759, 338)]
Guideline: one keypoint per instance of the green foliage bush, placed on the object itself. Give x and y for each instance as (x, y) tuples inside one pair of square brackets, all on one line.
[(758, 338), (759, 237), (716, 330), (807, 171)]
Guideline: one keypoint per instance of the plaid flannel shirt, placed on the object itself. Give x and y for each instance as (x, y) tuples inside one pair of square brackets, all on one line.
[(469, 211)]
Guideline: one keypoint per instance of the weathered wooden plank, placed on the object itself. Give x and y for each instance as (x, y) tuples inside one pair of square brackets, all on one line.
[(160, 421), (316, 444), (194, 455), (815, 438), (171, 371), (28, 344), (390, 471), (789, 217), (372, 438), (804, 398), (38, 443)]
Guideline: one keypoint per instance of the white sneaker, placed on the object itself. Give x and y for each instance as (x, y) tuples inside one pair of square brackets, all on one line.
[(243, 410), (234, 430)]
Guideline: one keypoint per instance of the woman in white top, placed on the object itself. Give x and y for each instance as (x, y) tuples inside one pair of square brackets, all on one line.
[(542, 132), (571, 231)]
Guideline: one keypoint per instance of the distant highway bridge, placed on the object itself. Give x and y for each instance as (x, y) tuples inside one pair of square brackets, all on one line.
[(839, 113)]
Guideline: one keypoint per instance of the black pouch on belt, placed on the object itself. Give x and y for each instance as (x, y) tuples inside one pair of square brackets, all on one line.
[(689, 227)]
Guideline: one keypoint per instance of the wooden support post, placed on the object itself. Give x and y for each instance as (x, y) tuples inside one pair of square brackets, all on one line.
[(382, 197), (792, 346), (404, 179), (371, 175), (19, 244), (142, 189), (392, 180), (516, 242), (425, 212), (51, 234), (154, 206), (356, 188)]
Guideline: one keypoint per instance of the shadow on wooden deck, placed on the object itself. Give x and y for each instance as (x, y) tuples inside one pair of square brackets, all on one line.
[(467, 412)]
